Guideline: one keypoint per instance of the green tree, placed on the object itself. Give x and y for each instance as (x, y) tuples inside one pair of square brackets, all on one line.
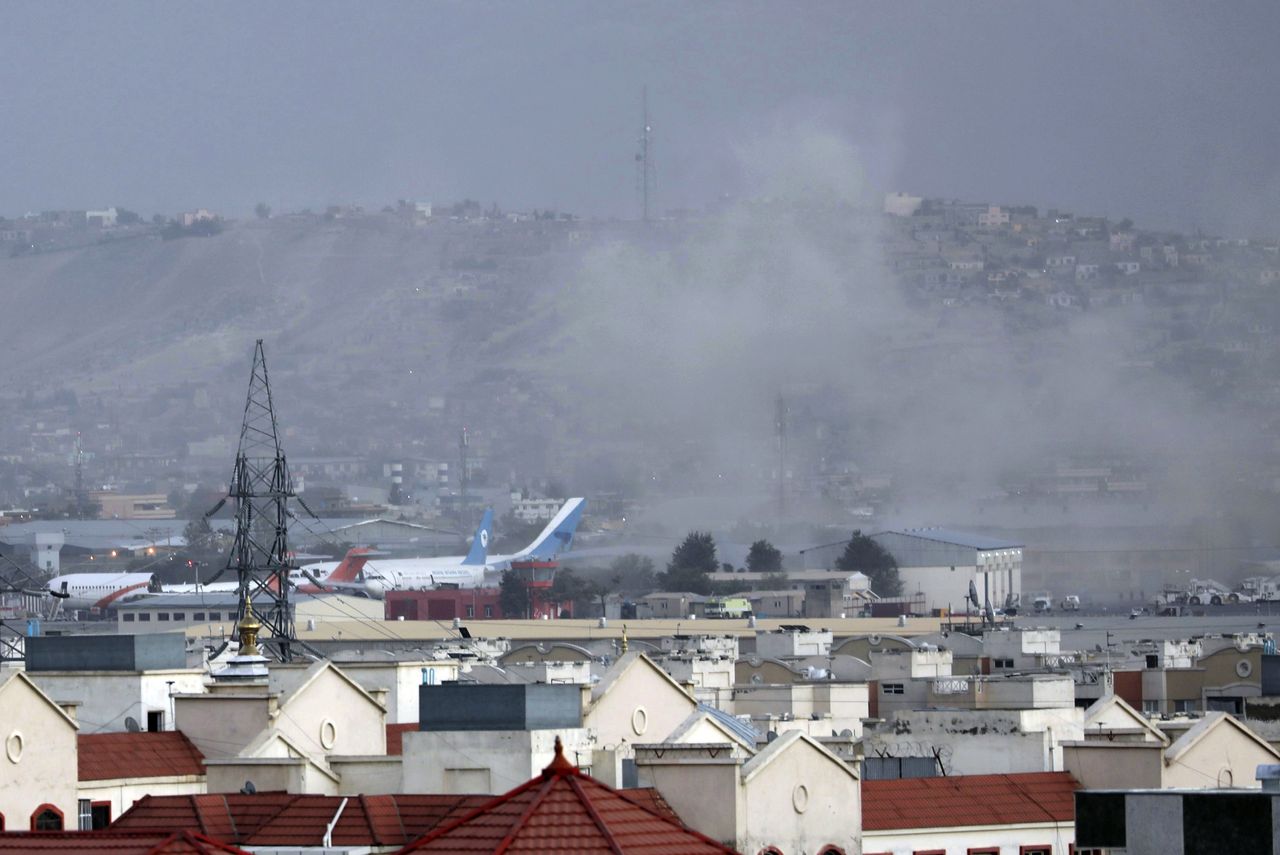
[(864, 555), (691, 565), (513, 595), (764, 557), (635, 573), (773, 582)]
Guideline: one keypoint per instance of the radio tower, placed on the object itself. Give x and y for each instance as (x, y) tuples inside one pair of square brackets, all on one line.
[(261, 489), (644, 157)]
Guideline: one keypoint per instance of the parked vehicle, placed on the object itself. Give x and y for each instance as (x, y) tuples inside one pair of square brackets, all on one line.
[(729, 607), (1042, 603), (1071, 603)]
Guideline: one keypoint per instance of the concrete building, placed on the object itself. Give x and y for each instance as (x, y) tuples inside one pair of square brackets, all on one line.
[(488, 738), (939, 564), (1122, 749), (1177, 822), (37, 758), (980, 742), (115, 682), (792, 796)]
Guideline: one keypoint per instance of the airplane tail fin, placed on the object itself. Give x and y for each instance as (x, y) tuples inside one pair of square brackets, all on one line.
[(352, 565), (557, 537), (479, 552)]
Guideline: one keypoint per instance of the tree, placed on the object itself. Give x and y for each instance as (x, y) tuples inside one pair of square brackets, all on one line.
[(262, 210), (125, 217), (635, 573), (691, 565), (513, 595), (864, 555), (764, 557), (773, 582)]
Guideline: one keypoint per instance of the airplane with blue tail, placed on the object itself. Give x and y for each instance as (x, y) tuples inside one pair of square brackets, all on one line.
[(476, 569)]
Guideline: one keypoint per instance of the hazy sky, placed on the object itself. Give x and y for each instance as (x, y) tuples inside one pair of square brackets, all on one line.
[(1163, 111)]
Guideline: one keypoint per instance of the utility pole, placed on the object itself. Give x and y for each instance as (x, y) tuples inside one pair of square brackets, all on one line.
[(261, 488), (644, 157)]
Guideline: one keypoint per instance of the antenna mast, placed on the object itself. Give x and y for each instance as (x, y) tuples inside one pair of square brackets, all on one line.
[(261, 488), (644, 158)]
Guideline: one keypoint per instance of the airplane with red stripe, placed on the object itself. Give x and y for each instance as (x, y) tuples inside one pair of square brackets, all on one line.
[(103, 590)]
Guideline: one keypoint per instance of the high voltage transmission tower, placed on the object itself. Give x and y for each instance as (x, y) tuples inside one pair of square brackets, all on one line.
[(261, 489), (644, 155)]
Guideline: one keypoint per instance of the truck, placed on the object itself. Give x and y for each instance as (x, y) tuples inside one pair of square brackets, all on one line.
[(728, 607), (1071, 603), (1042, 603)]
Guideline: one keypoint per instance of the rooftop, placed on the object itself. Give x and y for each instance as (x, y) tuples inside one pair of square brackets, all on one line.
[(967, 800), (163, 754), (563, 810), (959, 538), (124, 843)]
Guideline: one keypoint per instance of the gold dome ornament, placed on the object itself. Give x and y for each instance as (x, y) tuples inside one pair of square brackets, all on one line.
[(249, 629)]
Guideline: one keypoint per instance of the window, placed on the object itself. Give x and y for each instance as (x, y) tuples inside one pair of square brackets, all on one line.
[(155, 720), (100, 815), (471, 611), (162, 616), (46, 818), (988, 850), (215, 615), (1184, 706), (144, 617), (930, 852), (1151, 707), (85, 815), (831, 850), (197, 615), (128, 617), (891, 688), (488, 611), (1001, 663), (1037, 849), (179, 615), (1, 822)]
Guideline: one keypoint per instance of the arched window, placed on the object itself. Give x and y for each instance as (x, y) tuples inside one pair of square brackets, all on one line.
[(46, 818), (831, 850), (770, 850), (1, 822)]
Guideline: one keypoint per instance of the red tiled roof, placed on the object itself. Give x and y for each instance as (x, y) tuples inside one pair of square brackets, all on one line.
[(283, 819), (564, 810), (968, 800), (114, 843), (231, 816), (162, 754), (395, 737)]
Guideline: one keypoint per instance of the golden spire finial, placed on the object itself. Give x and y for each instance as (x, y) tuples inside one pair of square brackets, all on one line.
[(249, 628), (624, 639)]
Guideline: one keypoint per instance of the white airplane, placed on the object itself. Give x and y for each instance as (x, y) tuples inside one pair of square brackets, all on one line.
[(97, 590), (475, 569), (103, 590)]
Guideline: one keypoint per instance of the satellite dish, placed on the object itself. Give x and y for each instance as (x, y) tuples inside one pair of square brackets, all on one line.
[(248, 789), (131, 725), (973, 595), (991, 615)]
